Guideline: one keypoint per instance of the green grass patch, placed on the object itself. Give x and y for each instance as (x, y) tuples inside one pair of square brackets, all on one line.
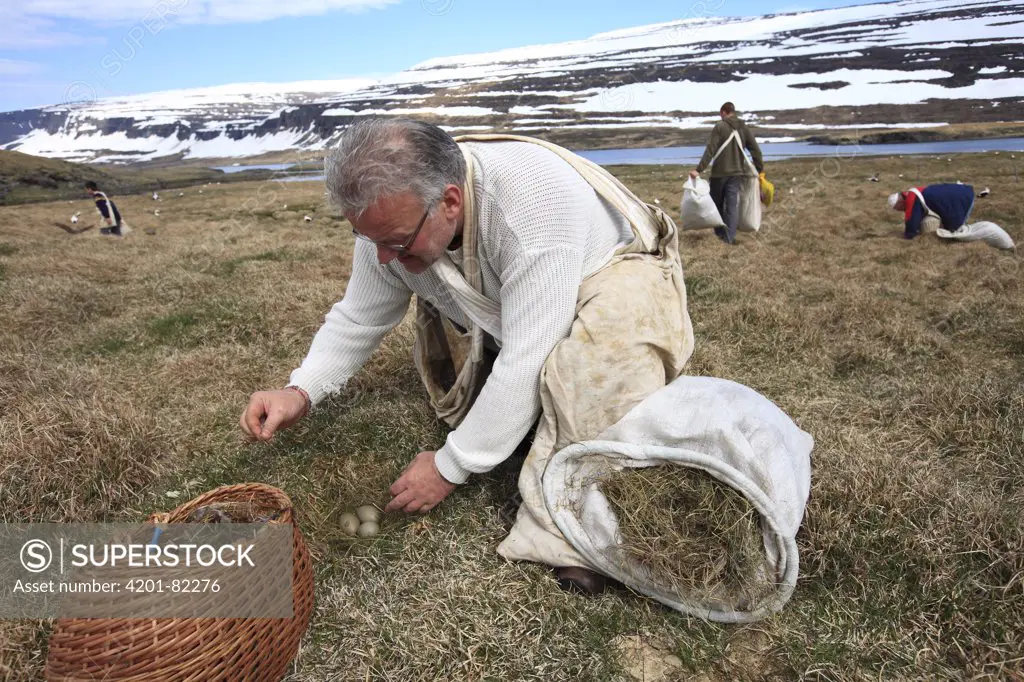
[(229, 267), (7, 249), (110, 346), (170, 329), (209, 323), (35, 179)]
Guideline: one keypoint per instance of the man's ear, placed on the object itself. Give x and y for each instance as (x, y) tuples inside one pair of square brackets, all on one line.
[(452, 200)]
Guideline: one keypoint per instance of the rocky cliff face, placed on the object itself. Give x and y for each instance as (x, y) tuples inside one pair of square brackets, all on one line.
[(915, 63)]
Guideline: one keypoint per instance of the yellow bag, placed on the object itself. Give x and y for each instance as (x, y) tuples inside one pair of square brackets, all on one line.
[(767, 190)]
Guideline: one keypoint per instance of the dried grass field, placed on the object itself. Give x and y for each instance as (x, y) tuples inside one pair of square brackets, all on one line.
[(124, 365)]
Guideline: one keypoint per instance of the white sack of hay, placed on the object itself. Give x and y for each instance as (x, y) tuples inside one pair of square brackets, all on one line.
[(728, 430), (697, 208), (985, 231)]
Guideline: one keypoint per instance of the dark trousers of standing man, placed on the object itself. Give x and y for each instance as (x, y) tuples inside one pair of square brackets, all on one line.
[(725, 192)]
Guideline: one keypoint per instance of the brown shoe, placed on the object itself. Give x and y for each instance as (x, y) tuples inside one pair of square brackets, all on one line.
[(580, 580)]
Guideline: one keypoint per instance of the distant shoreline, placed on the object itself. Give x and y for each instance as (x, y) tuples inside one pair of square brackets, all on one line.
[(915, 136)]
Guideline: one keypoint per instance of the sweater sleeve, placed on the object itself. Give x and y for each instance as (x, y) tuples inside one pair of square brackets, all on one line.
[(713, 144), (912, 225), (538, 234), (373, 304), (538, 303)]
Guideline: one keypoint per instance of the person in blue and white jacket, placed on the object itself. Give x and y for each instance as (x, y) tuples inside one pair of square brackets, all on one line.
[(952, 203)]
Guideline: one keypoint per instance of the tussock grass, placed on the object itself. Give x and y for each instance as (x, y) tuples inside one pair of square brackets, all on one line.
[(124, 366)]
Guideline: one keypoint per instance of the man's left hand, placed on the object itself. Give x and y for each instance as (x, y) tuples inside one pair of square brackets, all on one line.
[(420, 488), (694, 174)]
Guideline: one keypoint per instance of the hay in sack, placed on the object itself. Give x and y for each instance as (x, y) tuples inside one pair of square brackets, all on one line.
[(694, 424), (692, 533)]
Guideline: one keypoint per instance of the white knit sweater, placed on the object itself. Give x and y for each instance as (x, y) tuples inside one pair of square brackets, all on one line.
[(541, 230)]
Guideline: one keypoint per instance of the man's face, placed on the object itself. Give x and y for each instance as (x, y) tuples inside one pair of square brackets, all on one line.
[(900, 205), (392, 221)]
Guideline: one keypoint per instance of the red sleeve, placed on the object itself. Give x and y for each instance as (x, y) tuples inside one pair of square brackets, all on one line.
[(909, 201)]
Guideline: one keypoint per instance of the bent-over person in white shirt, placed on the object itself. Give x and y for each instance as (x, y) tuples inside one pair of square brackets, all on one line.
[(541, 229)]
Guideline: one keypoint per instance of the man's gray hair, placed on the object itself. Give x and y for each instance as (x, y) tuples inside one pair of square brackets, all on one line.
[(381, 157)]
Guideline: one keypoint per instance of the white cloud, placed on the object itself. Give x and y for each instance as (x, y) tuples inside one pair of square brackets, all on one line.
[(22, 31), (192, 11), (35, 24), (16, 67)]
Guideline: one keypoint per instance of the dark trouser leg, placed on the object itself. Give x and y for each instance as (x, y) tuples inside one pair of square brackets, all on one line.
[(731, 205), (718, 196)]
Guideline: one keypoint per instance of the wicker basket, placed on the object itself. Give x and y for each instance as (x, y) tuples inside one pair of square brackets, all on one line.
[(192, 649)]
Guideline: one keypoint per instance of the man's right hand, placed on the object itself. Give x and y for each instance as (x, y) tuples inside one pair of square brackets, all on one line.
[(694, 174), (269, 411)]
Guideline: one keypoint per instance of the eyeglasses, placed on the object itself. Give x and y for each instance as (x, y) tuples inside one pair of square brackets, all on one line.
[(397, 248)]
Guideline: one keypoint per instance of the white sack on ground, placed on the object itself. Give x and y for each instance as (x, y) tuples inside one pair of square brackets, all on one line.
[(726, 429), (990, 233), (697, 208)]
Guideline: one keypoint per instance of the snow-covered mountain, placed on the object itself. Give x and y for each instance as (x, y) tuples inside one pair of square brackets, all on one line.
[(914, 63)]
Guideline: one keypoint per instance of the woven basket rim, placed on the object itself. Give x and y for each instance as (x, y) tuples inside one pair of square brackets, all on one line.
[(273, 497)]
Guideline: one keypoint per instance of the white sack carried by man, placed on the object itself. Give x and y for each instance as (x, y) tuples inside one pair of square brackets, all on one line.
[(697, 208)]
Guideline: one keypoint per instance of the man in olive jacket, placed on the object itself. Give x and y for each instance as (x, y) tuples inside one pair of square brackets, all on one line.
[(729, 168)]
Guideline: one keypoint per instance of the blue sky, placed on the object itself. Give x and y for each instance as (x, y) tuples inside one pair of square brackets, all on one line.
[(58, 50)]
